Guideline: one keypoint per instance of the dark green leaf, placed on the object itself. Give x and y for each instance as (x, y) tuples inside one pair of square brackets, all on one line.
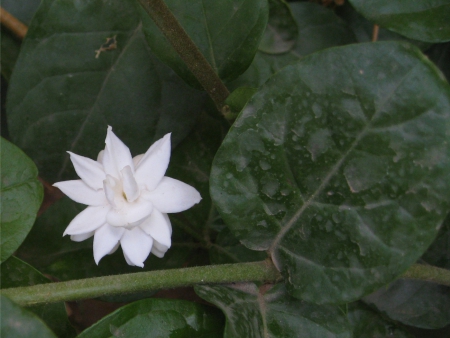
[(342, 173), (263, 66), (236, 101), (368, 324), (159, 318), (363, 28), (21, 197), (319, 28), (415, 303), (424, 333), (425, 20), (17, 322), (440, 54), (227, 249), (270, 312), (226, 32), (9, 50), (191, 163), (15, 273), (62, 97), (438, 253), (281, 31)]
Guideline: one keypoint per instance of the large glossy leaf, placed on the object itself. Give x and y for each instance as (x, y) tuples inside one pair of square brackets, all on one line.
[(15, 273), (21, 196), (159, 318), (318, 28), (369, 324), (418, 303), (281, 31), (425, 20), (66, 89), (269, 311), (342, 173), (17, 322), (226, 32), (415, 303)]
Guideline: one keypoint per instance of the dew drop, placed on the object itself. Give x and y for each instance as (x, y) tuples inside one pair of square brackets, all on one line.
[(264, 165)]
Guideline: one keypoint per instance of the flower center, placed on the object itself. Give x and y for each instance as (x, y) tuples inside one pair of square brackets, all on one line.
[(122, 190)]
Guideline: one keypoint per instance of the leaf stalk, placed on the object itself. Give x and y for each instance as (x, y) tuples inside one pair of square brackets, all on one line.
[(428, 273), (187, 50)]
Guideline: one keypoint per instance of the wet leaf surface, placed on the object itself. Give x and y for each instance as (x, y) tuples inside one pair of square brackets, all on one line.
[(269, 311), (329, 168)]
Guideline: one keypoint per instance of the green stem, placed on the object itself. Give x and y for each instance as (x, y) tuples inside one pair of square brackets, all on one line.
[(155, 280), (428, 273), (142, 281), (187, 50)]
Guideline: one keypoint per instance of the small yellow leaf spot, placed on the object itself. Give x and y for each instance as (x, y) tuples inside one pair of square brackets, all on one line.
[(110, 44)]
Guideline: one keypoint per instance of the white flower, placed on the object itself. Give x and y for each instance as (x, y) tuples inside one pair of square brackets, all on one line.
[(128, 200)]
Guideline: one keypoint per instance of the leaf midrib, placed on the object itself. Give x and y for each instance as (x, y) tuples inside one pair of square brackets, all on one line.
[(333, 171), (94, 105)]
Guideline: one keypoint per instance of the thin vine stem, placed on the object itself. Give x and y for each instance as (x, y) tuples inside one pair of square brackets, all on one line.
[(187, 50), (13, 24)]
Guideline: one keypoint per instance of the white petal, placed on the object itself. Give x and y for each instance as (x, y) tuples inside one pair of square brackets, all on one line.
[(156, 252), (129, 262), (130, 187), (90, 171), (172, 196), (100, 156), (116, 156), (158, 226), (106, 239), (152, 167), (80, 192), (136, 246), (159, 249), (81, 237), (88, 220), (108, 164), (129, 213), (113, 192), (114, 249), (137, 159)]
